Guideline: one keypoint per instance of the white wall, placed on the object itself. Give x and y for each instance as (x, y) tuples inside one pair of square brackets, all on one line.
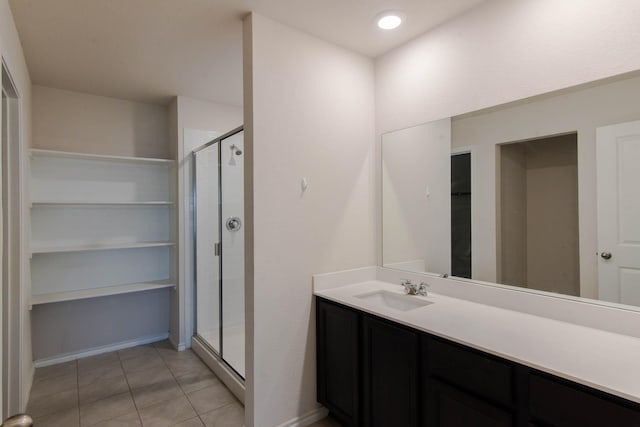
[(12, 55), (74, 121), (500, 52), (309, 113), (204, 120)]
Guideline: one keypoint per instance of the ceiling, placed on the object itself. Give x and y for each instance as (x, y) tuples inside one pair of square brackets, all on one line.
[(152, 50)]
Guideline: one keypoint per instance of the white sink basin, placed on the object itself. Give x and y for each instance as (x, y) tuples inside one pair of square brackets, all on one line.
[(393, 300)]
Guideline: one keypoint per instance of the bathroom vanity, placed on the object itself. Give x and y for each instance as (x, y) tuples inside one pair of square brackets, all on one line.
[(451, 362)]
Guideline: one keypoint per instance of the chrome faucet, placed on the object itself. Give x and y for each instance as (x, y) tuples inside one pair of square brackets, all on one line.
[(414, 288)]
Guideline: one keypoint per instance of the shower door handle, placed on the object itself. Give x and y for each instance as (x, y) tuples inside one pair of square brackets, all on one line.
[(217, 249)]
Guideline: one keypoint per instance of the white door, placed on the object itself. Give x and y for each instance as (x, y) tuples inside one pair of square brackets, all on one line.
[(618, 175)]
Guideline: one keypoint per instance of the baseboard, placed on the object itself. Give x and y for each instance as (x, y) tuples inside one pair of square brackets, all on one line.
[(27, 383), (67, 357), (180, 347), (222, 371), (308, 418)]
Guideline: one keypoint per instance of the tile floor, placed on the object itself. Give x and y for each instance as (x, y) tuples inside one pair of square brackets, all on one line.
[(150, 386), (327, 422)]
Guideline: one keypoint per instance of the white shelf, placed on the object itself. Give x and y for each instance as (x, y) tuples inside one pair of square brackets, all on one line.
[(35, 152), (37, 203), (85, 248), (98, 292)]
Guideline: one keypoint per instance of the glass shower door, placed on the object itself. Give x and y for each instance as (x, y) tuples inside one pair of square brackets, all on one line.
[(207, 229), (232, 238), (218, 198)]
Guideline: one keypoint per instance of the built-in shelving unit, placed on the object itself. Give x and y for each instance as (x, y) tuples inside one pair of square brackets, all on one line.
[(98, 292), (51, 249), (37, 203), (100, 225), (36, 152)]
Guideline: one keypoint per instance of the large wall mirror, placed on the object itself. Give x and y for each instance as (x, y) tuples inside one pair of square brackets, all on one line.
[(541, 194)]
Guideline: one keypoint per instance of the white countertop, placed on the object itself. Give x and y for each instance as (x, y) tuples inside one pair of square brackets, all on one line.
[(603, 360)]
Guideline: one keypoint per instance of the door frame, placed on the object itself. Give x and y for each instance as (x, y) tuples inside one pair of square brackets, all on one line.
[(14, 392), (475, 214)]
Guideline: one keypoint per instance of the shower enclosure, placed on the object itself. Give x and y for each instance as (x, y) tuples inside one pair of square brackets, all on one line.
[(218, 209)]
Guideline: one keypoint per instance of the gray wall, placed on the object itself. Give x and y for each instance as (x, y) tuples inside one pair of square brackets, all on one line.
[(75, 326)]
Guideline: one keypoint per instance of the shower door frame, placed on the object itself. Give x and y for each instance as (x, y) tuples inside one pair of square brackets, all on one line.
[(194, 198)]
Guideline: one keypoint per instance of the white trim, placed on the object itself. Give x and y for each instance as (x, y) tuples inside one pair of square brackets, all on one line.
[(180, 347), (99, 350), (308, 418), (222, 371)]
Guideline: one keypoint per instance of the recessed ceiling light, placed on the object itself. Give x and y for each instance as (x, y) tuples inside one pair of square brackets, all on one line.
[(389, 20)]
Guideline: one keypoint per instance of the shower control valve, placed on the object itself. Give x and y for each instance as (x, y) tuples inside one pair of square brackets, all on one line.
[(234, 223)]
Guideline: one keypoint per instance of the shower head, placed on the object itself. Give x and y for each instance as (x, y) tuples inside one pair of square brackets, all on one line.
[(236, 150)]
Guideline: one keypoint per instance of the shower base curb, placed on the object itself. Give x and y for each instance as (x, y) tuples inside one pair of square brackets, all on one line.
[(222, 371)]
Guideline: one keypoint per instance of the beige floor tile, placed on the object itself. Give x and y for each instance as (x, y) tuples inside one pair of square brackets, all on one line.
[(105, 409), (67, 418), (133, 352), (210, 398), (103, 388), (193, 422), (147, 377), (51, 385), (167, 413), (129, 420), (227, 416), (186, 366), (327, 422), (152, 394), (197, 380), (141, 363), (164, 344), (54, 371), (170, 355), (94, 362), (105, 371), (58, 402)]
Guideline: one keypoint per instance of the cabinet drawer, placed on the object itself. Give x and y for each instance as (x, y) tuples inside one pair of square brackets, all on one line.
[(449, 407), (560, 404), (470, 370)]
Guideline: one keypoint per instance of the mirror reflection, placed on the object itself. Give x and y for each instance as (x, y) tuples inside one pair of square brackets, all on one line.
[(542, 194)]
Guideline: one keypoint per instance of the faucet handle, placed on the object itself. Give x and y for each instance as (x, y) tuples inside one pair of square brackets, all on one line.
[(422, 289), (406, 282)]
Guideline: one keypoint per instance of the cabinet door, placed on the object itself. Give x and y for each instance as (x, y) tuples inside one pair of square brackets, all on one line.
[(450, 407), (562, 404), (337, 342), (390, 375)]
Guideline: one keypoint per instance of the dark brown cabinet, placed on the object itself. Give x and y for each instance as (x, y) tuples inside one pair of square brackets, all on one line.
[(390, 374), (338, 361), (447, 406), (557, 402), (376, 373), (465, 387)]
